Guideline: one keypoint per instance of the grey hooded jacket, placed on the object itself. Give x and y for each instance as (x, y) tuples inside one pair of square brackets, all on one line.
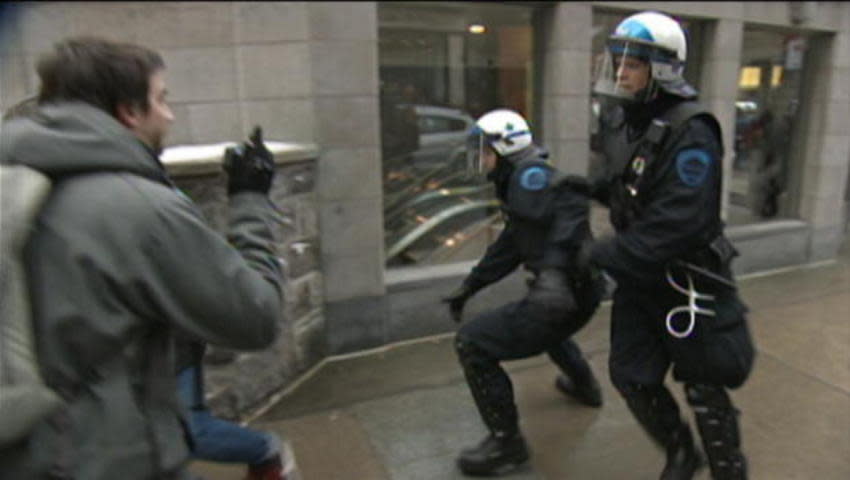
[(118, 262)]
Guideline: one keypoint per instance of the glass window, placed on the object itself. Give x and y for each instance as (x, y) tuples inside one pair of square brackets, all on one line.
[(441, 65), (769, 87)]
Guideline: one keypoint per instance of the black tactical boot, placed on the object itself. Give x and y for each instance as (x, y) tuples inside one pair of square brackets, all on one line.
[(498, 453), (589, 393), (683, 459)]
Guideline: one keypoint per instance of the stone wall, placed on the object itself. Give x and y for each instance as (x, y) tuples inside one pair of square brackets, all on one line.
[(238, 382)]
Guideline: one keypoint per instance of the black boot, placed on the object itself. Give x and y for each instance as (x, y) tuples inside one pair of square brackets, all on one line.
[(717, 420), (588, 393), (683, 460), (498, 453)]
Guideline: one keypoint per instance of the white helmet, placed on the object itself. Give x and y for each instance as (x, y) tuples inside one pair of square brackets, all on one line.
[(654, 38), (505, 131)]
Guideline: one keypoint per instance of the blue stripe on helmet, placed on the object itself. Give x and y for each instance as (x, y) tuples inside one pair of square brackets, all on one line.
[(516, 134), (634, 29)]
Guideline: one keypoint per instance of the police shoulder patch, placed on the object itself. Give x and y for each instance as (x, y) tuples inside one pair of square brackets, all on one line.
[(534, 178), (693, 165)]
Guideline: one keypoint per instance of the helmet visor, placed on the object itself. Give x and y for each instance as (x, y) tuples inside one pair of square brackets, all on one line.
[(474, 150), (615, 72)]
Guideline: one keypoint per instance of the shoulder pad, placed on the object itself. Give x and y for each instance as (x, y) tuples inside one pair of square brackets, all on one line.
[(534, 177), (692, 166)]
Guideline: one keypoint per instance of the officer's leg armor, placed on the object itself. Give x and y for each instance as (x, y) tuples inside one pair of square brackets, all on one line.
[(657, 412), (490, 386), (655, 409), (568, 357), (717, 419)]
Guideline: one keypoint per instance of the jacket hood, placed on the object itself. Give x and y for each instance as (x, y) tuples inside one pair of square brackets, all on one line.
[(74, 138)]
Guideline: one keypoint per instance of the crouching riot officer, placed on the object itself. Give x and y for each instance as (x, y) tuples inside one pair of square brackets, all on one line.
[(546, 222), (676, 301)]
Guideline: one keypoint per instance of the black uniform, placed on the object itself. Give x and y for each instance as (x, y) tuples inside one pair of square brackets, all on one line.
[(663, 187), (546, 223)]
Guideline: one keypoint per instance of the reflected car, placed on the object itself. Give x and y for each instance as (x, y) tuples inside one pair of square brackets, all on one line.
[(442, 134)]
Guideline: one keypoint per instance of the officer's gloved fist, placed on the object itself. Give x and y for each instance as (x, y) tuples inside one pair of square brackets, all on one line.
[(552, 292), (457, 300), (250, 166)]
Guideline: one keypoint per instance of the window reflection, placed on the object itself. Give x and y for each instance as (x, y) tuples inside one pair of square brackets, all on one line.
[(769, 86), (441, 66)]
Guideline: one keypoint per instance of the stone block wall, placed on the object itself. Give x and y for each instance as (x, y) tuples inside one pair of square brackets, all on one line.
[(244, 380)]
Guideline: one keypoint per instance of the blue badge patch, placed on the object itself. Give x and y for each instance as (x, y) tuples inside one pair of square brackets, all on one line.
[(693, 166), (534, 178)]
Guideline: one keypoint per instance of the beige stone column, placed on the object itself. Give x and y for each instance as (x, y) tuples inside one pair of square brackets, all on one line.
[(823, 176), (563, 56), (344, 64), (719, 86)]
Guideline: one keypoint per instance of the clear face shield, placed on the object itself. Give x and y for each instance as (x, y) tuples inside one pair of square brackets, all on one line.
[(475, 142), (623, 71)]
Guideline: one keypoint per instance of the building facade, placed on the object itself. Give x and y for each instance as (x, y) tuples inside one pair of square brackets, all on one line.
[(386, 90)]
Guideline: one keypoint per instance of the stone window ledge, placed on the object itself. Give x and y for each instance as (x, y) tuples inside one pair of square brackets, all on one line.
[(189, 160), (765, 229)]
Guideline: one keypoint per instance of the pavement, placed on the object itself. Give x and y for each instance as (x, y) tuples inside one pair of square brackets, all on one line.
[(403, 412)]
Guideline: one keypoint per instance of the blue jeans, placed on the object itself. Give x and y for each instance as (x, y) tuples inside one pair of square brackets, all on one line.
[(218, 440)]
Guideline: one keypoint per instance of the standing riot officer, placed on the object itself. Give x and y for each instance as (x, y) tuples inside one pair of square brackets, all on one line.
[(546, 223), (676, 301)]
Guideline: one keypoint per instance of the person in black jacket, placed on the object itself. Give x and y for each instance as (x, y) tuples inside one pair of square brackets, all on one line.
[(676, 301), (546, 223)]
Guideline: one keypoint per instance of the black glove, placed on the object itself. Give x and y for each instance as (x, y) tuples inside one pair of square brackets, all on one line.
[(250, 166), (457, 300), (552, 292)]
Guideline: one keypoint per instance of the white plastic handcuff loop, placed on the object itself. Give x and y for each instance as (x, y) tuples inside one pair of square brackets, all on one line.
[(692, 308)]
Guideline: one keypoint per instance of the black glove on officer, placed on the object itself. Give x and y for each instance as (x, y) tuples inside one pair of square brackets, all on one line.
[(552, 292), (457, 299), (250, 166)]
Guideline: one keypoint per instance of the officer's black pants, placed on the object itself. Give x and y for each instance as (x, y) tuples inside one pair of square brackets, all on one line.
[(716, 356), (514, 331)]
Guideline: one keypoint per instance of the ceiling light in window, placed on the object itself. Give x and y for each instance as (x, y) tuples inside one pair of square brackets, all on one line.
[(750, 77), (776, 76), (477, 28)]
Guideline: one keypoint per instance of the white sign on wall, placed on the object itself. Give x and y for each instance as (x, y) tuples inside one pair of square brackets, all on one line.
[(795, 47)]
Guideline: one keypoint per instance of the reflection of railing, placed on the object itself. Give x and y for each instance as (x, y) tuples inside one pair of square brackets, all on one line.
[(430, 223), (454, 247), (391, 215)]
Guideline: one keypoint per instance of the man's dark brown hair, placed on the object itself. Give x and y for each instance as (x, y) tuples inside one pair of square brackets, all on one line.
[(97, 71)]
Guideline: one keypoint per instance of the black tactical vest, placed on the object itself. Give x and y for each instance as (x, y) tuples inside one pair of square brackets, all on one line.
[(630, 163)]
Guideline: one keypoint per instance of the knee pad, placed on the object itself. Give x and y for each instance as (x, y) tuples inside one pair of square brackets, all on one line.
[(709, 396), (470, 353)]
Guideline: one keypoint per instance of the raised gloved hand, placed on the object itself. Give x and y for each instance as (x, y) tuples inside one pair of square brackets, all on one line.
[(250, 166), (552, 292), (457, 299)]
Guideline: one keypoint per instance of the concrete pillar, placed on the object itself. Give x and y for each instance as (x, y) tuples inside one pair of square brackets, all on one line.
[(719, 82), (827, 142), (563, 33), (457, 83), (344, 67)]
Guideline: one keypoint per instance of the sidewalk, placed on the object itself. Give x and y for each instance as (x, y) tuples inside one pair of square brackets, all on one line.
[(404, 412)]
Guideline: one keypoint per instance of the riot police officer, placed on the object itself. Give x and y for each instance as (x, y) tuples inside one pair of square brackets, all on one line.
[(676, 300), (546, 223)]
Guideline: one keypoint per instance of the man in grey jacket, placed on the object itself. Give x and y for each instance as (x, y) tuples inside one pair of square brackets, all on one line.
[(120, 261)]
